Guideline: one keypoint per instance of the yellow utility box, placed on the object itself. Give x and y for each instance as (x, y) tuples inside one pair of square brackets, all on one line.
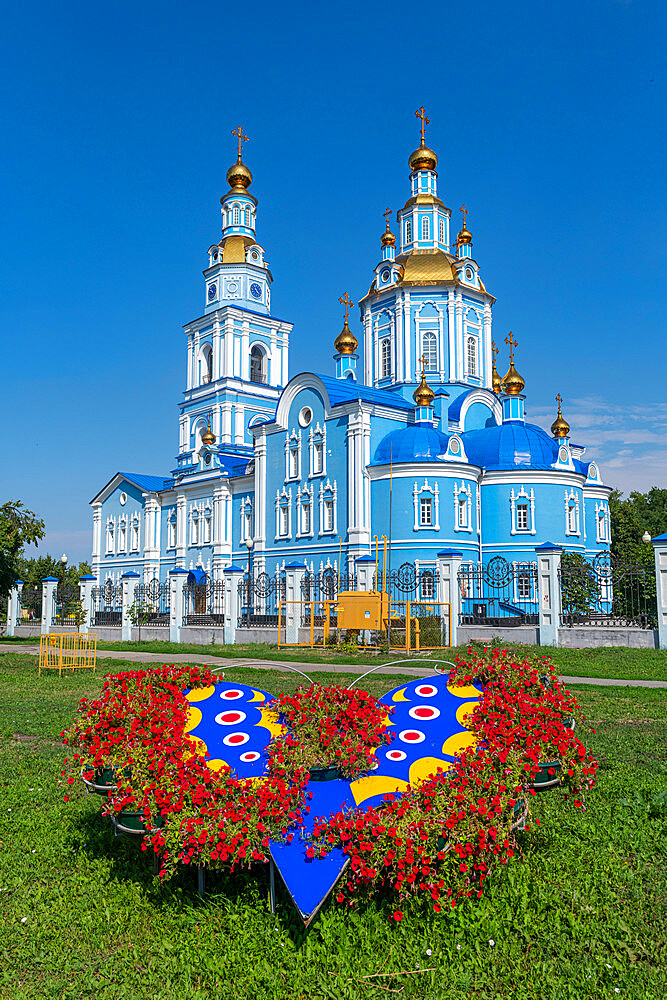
[(362, 609)]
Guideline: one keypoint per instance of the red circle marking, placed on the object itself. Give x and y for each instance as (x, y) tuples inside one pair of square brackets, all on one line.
[(411, 736), (231, 695), (424, 712), (235, 739), (230, 718), (250, 756), (425, 690), (396, 755)]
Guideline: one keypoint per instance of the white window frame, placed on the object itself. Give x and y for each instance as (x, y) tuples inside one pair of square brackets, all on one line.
[(527, 570), (317, 438), (408, 230), (237, 216), (463, 496), (194, 528), (135, 533), (426, 227), (572, 521), (441, 231), (304, 498), (122, 534), (427, 593), (426, 512), (602, 527), (434, 494), (246, 518), (385, 357), (207, 535), (110, 536), (328, 493), (472, 356), (522, 497), (172, 531), (283, 503), (430, 353), (292, 444)]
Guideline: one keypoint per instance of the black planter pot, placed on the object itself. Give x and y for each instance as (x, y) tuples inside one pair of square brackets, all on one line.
[(104, 780), (324, 773), (542, 781), (130, 823)]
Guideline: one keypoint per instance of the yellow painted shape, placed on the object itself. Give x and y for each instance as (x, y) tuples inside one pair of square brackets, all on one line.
[(375, 784), (217, 764), (464, 691), (258, 696), (454, 744), (464, 710), (200, 694), (426, 767), (269, 720), (400, 696), (194, 718)]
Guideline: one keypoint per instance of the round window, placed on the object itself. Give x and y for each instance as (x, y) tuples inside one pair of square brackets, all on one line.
[(254, 255), (305, 416), (562, 454), (123, 499), (207, 459), (454, 447), (469, 274), (385, 275)]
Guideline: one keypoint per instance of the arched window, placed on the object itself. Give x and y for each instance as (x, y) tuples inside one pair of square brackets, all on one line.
[(408, 231), (385, 358), (426, 229), (206, 364), (471, 354), (257, 365), (236, 216), (430, 350), (246, 217), (441, 231)]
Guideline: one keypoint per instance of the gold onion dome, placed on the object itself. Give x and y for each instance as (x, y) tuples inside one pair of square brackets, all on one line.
[(208, 437), (239, 176), (423, 394), (388, 239), (465, 236), (513, 384), (346, 342), (560, 427), (423, 158)]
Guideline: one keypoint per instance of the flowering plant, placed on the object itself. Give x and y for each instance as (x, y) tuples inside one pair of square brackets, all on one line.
[(328, 727), (443, 837)]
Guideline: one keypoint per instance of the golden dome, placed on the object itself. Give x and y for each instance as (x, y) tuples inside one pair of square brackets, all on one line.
[(388, 239), (423, 394), (208, 437), (496, 381), (423, 158), (560, 427), (513, 384), (427, 267), (346, 342), (238, 176), (465, 236)]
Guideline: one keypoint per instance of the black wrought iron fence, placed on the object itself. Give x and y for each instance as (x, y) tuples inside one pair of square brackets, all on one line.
[(326, 585), (407, 583), (498, 593), (154, 599), (64, 600), (107, 604), (204, 603), (29, 604), (606, 592), (259, 598)]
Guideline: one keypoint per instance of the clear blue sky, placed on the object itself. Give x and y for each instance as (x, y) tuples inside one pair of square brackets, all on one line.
[(549, 123)]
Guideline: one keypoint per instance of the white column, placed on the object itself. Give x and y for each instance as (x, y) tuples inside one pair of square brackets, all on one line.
[(181, 529), (233, 575), (406, 336), (294, 573), (451, 333), (368, 348), (449, 564), (228, 369), (13, 606), (215, 374), (548, 588), (128, 583), (177, 579), (86, 584), (260, 490), (364, 567), (660, 551), (49, 585), (245, 353), (460, 353), (487, 346)]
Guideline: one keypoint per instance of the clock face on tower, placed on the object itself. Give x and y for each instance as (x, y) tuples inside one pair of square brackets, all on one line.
[(212, 292), (256, 290)]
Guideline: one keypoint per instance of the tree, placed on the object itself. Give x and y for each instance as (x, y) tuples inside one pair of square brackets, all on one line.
[(139, 613), (580, 588), (18, 527), (630, 517)]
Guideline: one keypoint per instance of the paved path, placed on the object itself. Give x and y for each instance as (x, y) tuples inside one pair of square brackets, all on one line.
[(141, 656)]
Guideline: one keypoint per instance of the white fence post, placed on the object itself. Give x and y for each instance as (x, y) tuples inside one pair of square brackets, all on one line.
[(13, 605), (128, 583), (660, 550), (449, 592), (86, 584), (232, 575), (364, 567), (177, 579), (548, 591), (294, 573), (49, 584)]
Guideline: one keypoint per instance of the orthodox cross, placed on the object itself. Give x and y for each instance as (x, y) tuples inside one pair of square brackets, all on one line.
[(421, 113), (387, 215), (559, 400), (242, 137), (464, 212), (208, 417), (347, 302), (422, 362), (494, 350), (512, 343)]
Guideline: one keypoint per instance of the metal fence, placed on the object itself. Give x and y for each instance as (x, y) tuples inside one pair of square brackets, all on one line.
[(29, 607), (326, 585), (407, 583), (259, 597), (498, 593), (63, 601), (107, 604), (606, 593), (203, 603), (154, 600)]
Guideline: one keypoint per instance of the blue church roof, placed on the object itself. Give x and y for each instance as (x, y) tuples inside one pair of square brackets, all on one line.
[(513, 445), (152, 484), (418, 443), (342, 390)]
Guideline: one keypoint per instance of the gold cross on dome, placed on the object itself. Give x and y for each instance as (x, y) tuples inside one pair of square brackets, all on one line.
[(512, 343), (347, 302), (387, 215), (559, 400), (494, 350), (464, 212), (242, 137), (422, 362), (421, 113), (209, 417)]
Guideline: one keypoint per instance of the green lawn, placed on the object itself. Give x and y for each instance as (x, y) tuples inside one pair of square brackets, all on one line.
[(616, 662), (581, 915)]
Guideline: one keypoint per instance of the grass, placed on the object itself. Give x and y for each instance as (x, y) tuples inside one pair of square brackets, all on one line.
[(580, 916), (618, 663)]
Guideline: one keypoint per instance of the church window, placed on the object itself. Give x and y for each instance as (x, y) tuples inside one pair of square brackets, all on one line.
[(523, 587), (122, 536), (318, 455), (463, 512), (430, 350), (207, 364), (194, 529), (171, 532), (134, 534), (207, 529), (110, 536), (571, 519), (441, 231), (236, 216), (328, 515), (294, 462), (305, 518), (247, 525), (284, 521), (408, 231), (246, 220), (385, 358), (257, 365), (427, 585), (471, 356), (426, 229), (425, 512), (522, 517)]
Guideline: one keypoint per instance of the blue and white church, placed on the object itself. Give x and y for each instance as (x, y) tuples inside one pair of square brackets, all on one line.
[(412, 433)]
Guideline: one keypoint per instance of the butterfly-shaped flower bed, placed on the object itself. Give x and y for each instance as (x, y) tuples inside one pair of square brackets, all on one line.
[(419, 793)]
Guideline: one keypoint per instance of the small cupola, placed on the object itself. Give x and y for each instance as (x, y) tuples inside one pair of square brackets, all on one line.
[(423, 397), (388, 240), (560, 427), (496, 381), (512, 388), (464, 238), (346, 345)]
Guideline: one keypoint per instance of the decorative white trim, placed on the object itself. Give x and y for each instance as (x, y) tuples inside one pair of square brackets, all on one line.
[(121, 545), (317, 436), (110, 536), (292, 445), (135, 532), (246, 519), (571, 500), (463, 498), (328, 493), (283, 502), (602, 523), (304, 498), (434, 492), (514, 498)]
